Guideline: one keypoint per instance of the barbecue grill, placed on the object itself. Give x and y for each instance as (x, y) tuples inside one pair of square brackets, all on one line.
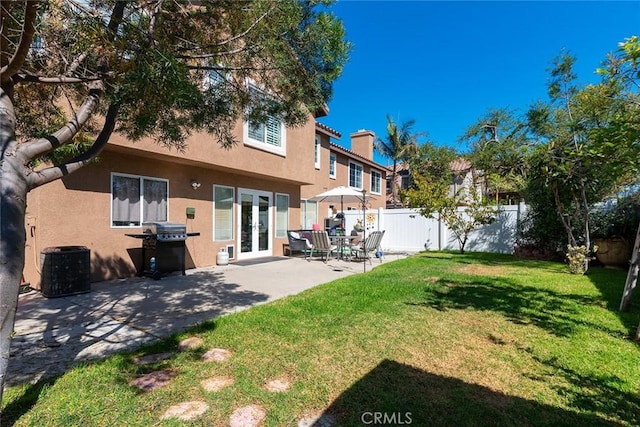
[(166, 242)]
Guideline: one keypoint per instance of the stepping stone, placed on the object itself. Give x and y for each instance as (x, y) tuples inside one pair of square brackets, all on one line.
[(318, 420), (186, 411), (216, 355), (248, 416), (277, 386), (151, 358), (216, 383), (190, 343), (154, 380)]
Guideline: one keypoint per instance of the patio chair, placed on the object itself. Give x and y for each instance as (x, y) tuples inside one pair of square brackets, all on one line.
[(298, 242), (368, 246), (321, 243)]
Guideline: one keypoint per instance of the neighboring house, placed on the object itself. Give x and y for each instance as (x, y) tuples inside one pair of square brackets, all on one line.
[(244, 198), (463, 177), (403, 181)]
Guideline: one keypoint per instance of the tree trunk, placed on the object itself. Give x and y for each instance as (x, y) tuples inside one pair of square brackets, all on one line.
[(394, 185), (13, 196)]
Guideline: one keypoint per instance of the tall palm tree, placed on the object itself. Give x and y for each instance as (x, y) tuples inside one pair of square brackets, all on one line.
[(399, 144)]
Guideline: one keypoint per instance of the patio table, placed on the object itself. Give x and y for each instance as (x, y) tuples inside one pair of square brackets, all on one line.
[(343, 243)]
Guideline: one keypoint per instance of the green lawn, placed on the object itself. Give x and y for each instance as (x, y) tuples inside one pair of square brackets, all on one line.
[(436, 339)]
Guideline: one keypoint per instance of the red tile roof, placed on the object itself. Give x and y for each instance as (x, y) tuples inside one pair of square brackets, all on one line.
[(331, 132), (358, 157)]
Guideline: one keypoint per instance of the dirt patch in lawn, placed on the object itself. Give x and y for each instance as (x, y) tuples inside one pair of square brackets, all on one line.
[(154, 380), (486, 270)]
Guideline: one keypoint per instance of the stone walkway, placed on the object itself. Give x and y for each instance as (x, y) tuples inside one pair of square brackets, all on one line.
[(246, 416)]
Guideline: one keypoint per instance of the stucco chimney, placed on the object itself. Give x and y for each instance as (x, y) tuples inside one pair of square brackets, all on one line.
[(362, 143)]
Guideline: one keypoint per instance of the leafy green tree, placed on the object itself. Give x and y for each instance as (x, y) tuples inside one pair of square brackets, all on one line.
[(500, 149), (399, 145), (74, 72), (588, 146), (431, 193), (622, 72)]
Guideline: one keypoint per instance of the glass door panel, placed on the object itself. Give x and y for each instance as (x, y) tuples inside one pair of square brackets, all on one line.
[(255, 223), (263, 230), (246, 222)]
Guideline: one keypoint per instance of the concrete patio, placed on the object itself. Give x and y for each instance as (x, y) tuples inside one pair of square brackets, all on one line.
[(51, 335)]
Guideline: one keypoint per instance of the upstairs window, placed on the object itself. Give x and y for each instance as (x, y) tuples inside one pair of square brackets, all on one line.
[(317, 152), (269, 135), (376, 180), (332, 165), (355, 175)]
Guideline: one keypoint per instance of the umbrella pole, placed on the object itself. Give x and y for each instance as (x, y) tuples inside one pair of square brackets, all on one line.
[(342, 212), (364, 228)]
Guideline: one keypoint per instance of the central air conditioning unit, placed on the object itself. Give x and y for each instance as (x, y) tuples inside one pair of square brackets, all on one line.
[(231, 250)]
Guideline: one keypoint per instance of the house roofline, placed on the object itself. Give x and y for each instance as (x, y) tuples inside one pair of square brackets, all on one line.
[(328, 131), (354, 156)]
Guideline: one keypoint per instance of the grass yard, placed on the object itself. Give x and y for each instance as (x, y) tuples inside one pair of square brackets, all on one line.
[(436, 339)]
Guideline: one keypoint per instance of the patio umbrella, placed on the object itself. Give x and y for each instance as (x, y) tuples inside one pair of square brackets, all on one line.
[(339, 194), (346, 194)]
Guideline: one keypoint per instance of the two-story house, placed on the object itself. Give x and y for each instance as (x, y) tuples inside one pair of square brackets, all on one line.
[(337, 166), (242, 199)]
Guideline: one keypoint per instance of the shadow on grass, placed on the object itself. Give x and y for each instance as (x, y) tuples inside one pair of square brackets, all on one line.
[(20, 406), (610, 282), (557, 313), (400, 394), (594, 393), (493, 259)]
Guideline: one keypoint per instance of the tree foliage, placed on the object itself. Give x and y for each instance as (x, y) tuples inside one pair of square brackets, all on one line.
[(400, 144), (587, 147), (72, 72), (462, 210), (500, 149)]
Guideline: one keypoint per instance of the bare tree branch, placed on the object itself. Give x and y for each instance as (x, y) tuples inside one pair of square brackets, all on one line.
[(56, 80), (75, 64), (157, 12), (214, 68), (36, 148), (38, 178), (26, 36)]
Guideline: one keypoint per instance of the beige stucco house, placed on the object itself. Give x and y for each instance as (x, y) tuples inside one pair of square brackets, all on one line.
[(243, 199)]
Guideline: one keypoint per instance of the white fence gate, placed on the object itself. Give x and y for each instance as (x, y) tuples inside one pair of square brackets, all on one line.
[(407, 230)]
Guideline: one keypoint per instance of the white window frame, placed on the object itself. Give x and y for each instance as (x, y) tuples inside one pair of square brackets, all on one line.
[(281, 232), (281, 149), (317, 151), (304, 204), (141, 179), (359, 166), (333, 165), (233, 220), (374, 173)]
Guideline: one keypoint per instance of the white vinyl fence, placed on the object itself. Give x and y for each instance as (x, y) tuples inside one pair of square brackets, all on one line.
[(407, 230)]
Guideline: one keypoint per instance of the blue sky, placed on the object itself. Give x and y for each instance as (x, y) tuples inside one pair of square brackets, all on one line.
[(444, 64)]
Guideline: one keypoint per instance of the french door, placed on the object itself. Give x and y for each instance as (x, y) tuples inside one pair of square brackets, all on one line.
[(254, 222)]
